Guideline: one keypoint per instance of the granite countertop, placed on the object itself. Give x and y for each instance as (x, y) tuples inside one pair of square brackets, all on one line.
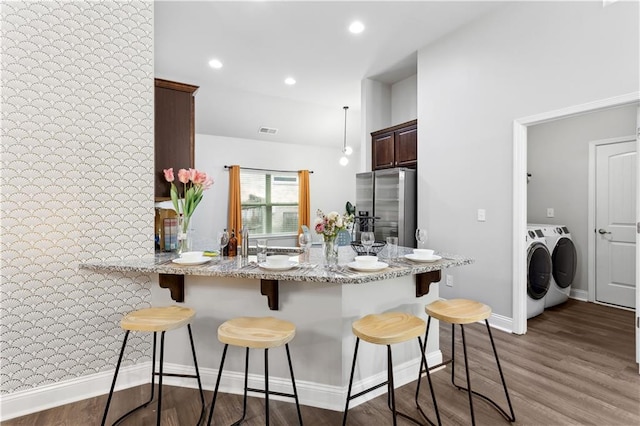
[(312, 270)]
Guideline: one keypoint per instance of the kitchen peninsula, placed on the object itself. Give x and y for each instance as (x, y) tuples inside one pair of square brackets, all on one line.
[(322, 303)]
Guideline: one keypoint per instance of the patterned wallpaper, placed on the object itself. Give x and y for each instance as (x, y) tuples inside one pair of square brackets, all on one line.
[(77, 184)]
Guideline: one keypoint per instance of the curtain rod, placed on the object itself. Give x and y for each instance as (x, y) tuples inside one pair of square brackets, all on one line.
[(269, 170)]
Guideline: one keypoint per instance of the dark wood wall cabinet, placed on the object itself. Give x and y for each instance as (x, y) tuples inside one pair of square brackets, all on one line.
[(395, 146), (174, 131)]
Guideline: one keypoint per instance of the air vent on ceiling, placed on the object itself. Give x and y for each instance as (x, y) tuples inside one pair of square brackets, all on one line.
[(267, 130)]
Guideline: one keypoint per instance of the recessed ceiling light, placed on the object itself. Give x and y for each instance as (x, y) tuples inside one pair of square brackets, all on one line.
[(215, 63), (356, 27), (290, 81)]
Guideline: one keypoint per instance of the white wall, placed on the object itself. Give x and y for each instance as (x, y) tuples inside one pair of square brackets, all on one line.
[(331, 185), (526, 58), (404, 100), (384, 105), (375, 106), (558, 159), (77, 186)]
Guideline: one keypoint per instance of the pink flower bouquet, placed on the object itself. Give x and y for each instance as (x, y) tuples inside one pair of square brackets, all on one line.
[(330, 224), (195, 182)]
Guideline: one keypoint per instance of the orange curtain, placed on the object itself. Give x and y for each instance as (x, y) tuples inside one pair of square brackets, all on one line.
[(304, 200), (235, 204)]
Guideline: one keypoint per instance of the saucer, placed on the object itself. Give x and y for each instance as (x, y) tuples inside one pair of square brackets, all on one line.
[(378, 266), (291, 265), (415, 258), (198, 261)]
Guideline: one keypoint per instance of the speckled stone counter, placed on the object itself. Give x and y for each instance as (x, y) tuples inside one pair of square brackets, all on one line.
[(313, 270), (310, 268)]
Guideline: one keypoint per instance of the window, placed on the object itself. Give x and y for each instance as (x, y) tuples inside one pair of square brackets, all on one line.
[(269, 202)]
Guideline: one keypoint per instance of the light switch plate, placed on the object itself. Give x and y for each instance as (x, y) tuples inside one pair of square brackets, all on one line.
[(550, 212), (482, 215)]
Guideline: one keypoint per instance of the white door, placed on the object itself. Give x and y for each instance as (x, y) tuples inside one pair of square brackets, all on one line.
[(638, 240), (616, 168)]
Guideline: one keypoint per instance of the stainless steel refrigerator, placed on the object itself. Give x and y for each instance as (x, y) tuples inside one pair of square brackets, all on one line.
[(389, 196)]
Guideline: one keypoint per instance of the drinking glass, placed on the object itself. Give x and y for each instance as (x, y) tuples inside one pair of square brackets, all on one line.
[(421, 237), (261, 249), (304, 240), (367, 239), (223, 239), (392, 247)]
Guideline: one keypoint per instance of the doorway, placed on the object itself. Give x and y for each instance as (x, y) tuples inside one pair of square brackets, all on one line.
[(520, 194)]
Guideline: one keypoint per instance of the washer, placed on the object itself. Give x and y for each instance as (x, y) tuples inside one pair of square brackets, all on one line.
[(538, 271), (564, 259)]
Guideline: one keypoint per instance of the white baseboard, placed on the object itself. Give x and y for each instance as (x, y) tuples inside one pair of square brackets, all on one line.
[(43, 397), (501, 322), (582, 295), (311, 394)]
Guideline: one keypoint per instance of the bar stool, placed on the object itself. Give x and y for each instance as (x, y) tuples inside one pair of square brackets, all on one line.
[(256, 333), (161, 319), (386, 329), (463, 311)]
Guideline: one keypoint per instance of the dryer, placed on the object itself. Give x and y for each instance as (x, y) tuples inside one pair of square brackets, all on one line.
[(538, 271), (564, 260)]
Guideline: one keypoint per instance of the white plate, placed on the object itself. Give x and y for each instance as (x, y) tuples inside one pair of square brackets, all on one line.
[(378, 266), (199, 261), (415, 258), (291, 265)]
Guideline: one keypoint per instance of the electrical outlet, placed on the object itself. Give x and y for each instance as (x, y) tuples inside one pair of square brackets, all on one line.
[(550, 212), (482, 215), (449, 280)]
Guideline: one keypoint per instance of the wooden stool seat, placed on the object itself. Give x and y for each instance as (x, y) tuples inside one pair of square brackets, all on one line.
[(256, 332), (158, 319), (458, 311), (461, 312), (388, 328)]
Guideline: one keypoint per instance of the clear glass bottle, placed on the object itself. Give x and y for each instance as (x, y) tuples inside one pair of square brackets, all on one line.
[(244, 249)]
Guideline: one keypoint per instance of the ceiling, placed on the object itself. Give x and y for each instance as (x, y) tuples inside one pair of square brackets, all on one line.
[(262, 42)]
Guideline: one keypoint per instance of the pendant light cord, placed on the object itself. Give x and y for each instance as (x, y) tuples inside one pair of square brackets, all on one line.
[(344, 145)]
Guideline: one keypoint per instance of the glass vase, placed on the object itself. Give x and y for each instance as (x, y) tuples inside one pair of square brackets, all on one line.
[(330, 252), (184, 243)]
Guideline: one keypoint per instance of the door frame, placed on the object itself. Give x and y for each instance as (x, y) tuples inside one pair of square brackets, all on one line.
[(591, 213), (519, 225)]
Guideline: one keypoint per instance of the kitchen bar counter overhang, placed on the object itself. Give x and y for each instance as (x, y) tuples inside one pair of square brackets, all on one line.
[(322, 304), (171, 275)]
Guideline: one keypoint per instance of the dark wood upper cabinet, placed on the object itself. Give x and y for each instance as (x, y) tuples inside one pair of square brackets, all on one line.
[(174, 131), (395, 146), (383, 150), (407, 146)]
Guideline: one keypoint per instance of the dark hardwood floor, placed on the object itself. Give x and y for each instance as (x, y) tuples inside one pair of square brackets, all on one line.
[(575, 366)]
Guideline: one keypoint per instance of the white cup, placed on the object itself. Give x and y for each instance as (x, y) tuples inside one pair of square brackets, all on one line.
[(191, 255), (261, 249), (423, 253), (277, 260)]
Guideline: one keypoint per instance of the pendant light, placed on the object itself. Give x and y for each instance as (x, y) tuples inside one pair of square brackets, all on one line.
[(346, 150)]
